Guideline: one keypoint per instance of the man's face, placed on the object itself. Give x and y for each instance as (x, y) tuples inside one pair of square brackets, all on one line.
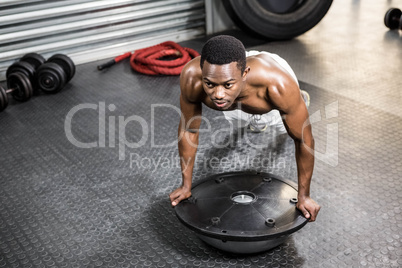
[(223, 83)]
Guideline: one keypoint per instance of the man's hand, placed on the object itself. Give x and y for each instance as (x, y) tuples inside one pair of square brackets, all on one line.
[(308, 207), (179, 194)]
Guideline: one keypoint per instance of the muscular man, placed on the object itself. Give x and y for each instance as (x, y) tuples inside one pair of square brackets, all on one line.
[(251, 89)]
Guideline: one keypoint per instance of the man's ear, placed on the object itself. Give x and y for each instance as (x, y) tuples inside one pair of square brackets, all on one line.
[(246, 72)]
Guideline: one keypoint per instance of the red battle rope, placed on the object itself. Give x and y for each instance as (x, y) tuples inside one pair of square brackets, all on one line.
[(150, 60)]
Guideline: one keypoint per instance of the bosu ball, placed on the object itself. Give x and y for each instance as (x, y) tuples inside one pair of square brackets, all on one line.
[(242, 212)]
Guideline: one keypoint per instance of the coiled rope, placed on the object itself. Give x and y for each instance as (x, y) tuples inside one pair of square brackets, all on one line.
[(154, 60), (150, 60)]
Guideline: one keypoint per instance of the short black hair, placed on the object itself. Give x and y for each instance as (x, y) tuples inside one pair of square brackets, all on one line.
[(224, 49)]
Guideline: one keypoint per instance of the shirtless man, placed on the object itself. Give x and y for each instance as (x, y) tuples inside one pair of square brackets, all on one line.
[(223, 78)]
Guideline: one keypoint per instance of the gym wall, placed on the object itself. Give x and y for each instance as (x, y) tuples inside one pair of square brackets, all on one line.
[(89, 30)]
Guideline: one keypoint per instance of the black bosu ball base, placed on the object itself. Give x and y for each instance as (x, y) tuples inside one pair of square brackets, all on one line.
[(242, 212)]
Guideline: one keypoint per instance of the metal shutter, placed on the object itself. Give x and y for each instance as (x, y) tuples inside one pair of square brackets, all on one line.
[(88, 30)]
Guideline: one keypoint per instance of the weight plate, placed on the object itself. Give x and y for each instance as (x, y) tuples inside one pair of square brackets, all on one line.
[(34, 59), (66, 63), (21, 67), (50, 77), (392, 18), (22, 88), (3, 99), (273, 19)]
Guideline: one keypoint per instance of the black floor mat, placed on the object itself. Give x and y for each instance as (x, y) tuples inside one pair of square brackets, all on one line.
[(85, 177)]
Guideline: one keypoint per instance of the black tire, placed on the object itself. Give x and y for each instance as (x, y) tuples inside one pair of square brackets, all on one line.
[(251, 16)]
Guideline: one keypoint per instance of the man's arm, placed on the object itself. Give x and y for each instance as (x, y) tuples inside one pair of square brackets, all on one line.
[(296, 120), (188, 133), (299, 129)]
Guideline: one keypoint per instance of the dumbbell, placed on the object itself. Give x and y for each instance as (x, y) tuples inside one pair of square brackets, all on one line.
[(19, 86), (52, 76), (393, 19), (27, 65)]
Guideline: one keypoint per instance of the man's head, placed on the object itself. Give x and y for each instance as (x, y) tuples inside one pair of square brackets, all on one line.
[(223, 64), (224, 49)]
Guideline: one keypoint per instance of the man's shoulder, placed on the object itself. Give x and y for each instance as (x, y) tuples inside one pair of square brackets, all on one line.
[(275, 83), (191, 81), (192, 69)]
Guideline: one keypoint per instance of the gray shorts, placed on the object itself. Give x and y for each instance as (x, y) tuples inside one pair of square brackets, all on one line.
[(241, 119)]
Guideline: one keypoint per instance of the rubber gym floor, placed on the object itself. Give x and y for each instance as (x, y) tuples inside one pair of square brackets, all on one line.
[(73, 195)]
